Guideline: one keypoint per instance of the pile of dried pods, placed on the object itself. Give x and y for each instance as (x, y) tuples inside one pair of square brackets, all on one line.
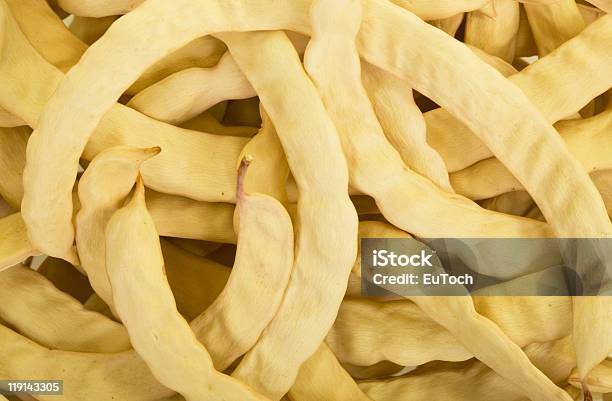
[(184, 185)]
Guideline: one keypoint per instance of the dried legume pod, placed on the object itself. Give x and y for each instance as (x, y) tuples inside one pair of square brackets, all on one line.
[(403, 123), (136, 272), (28, 301), (176, 216), (333, 36), (87, 376), (189, 92), (61, 48), (264, 259), (554, 84), (367, 332), (554, 24), (495, 36), (588, 140), (124, 126), (472, 380), (269, 170), (324, 254), (103, 187)]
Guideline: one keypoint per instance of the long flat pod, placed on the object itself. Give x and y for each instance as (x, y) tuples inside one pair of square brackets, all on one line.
[(324, 253), (554, 24), (145, 303), (103, 187), (120, 121), (28, 81), (32, 305), (87, 376), (367, 332), (403, 123), (335, 25), (496, 35), (264, 259), (539, 141), (471, 381), (189, 92), (555, 84)]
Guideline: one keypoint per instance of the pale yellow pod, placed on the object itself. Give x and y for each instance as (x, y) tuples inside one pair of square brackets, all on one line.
[(333, 42), (145, 303), (396, 188), (496, 36), (187, 93), (268, 171), (87, 376), (557, 86), (367, 332), (103, 188), (36, 308), (14, 244), (403, 123), (231, 325), (324, 253), (176, 216), (89, 29), (554, 24), (588, 140), (53, 40), (472, 381)]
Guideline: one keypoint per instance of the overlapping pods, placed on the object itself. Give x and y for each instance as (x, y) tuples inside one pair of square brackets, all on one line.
[(184, 186)]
